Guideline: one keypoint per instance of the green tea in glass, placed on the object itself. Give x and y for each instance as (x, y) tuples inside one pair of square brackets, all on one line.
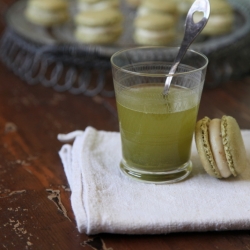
[(156, 129)]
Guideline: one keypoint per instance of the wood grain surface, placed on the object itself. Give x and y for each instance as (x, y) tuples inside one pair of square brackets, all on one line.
[(35, 210)]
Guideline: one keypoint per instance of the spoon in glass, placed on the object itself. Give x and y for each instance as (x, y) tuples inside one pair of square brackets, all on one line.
[(192, 30)]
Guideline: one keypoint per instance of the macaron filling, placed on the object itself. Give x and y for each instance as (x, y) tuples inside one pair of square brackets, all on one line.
[(217, 147)]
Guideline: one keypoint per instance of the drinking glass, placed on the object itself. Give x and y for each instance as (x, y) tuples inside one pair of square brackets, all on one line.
[(156, 129)]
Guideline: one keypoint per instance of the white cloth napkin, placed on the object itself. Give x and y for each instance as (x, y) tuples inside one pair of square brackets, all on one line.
[(104, 200)]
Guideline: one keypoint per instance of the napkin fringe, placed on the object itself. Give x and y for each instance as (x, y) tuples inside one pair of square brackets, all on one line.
[(70, 136)]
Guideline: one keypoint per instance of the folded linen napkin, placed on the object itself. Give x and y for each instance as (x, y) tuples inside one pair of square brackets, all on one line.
[(104, 200)]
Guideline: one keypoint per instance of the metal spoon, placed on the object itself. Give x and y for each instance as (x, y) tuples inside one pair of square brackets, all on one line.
[(192, 30)]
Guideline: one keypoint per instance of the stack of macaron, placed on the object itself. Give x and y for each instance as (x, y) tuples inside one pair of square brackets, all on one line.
[(156, 22), (220, 146), (98, 27), (154, 29), (95, 5), (47, 12), (221, 18)]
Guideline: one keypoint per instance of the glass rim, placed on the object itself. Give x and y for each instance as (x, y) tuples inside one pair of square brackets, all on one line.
[(158, 74)]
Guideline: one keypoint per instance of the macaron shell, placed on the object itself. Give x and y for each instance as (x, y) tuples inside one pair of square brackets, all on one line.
[(99, 18), (233, 145), (166, 6), (91, 38), (49, 4), (154, 22), (204, 149), (46, 18)]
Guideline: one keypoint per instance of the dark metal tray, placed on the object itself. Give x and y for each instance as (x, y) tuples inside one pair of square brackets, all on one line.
[(40, 54)]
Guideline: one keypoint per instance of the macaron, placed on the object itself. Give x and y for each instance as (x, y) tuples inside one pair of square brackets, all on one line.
[(221, 18), (153, 29), (220, 146), (47, 12), (98, 27), (92, 5), (162, 7)]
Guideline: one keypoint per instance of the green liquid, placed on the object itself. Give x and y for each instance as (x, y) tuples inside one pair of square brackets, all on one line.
[(156, 132)]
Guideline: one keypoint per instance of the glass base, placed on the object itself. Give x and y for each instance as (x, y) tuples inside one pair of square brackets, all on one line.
[(172, 176)]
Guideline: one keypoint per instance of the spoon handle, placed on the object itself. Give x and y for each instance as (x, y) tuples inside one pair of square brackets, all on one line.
[(192, 30)]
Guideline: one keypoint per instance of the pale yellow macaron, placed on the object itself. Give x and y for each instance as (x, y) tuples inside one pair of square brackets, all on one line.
[(98, 27), (221, 18), (47, 12), (220, 146), (154, 29), (92, 5)]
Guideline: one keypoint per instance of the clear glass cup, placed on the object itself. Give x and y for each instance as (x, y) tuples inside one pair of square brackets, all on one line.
[(157, 130)]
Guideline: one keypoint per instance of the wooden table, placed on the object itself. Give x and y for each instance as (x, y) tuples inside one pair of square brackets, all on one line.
[(35, 210)]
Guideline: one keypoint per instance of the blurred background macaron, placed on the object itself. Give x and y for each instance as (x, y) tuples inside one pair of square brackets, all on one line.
[(92, 5), (98, 27), (220, 146), (153, 29), (47, 12), (221, 18)]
